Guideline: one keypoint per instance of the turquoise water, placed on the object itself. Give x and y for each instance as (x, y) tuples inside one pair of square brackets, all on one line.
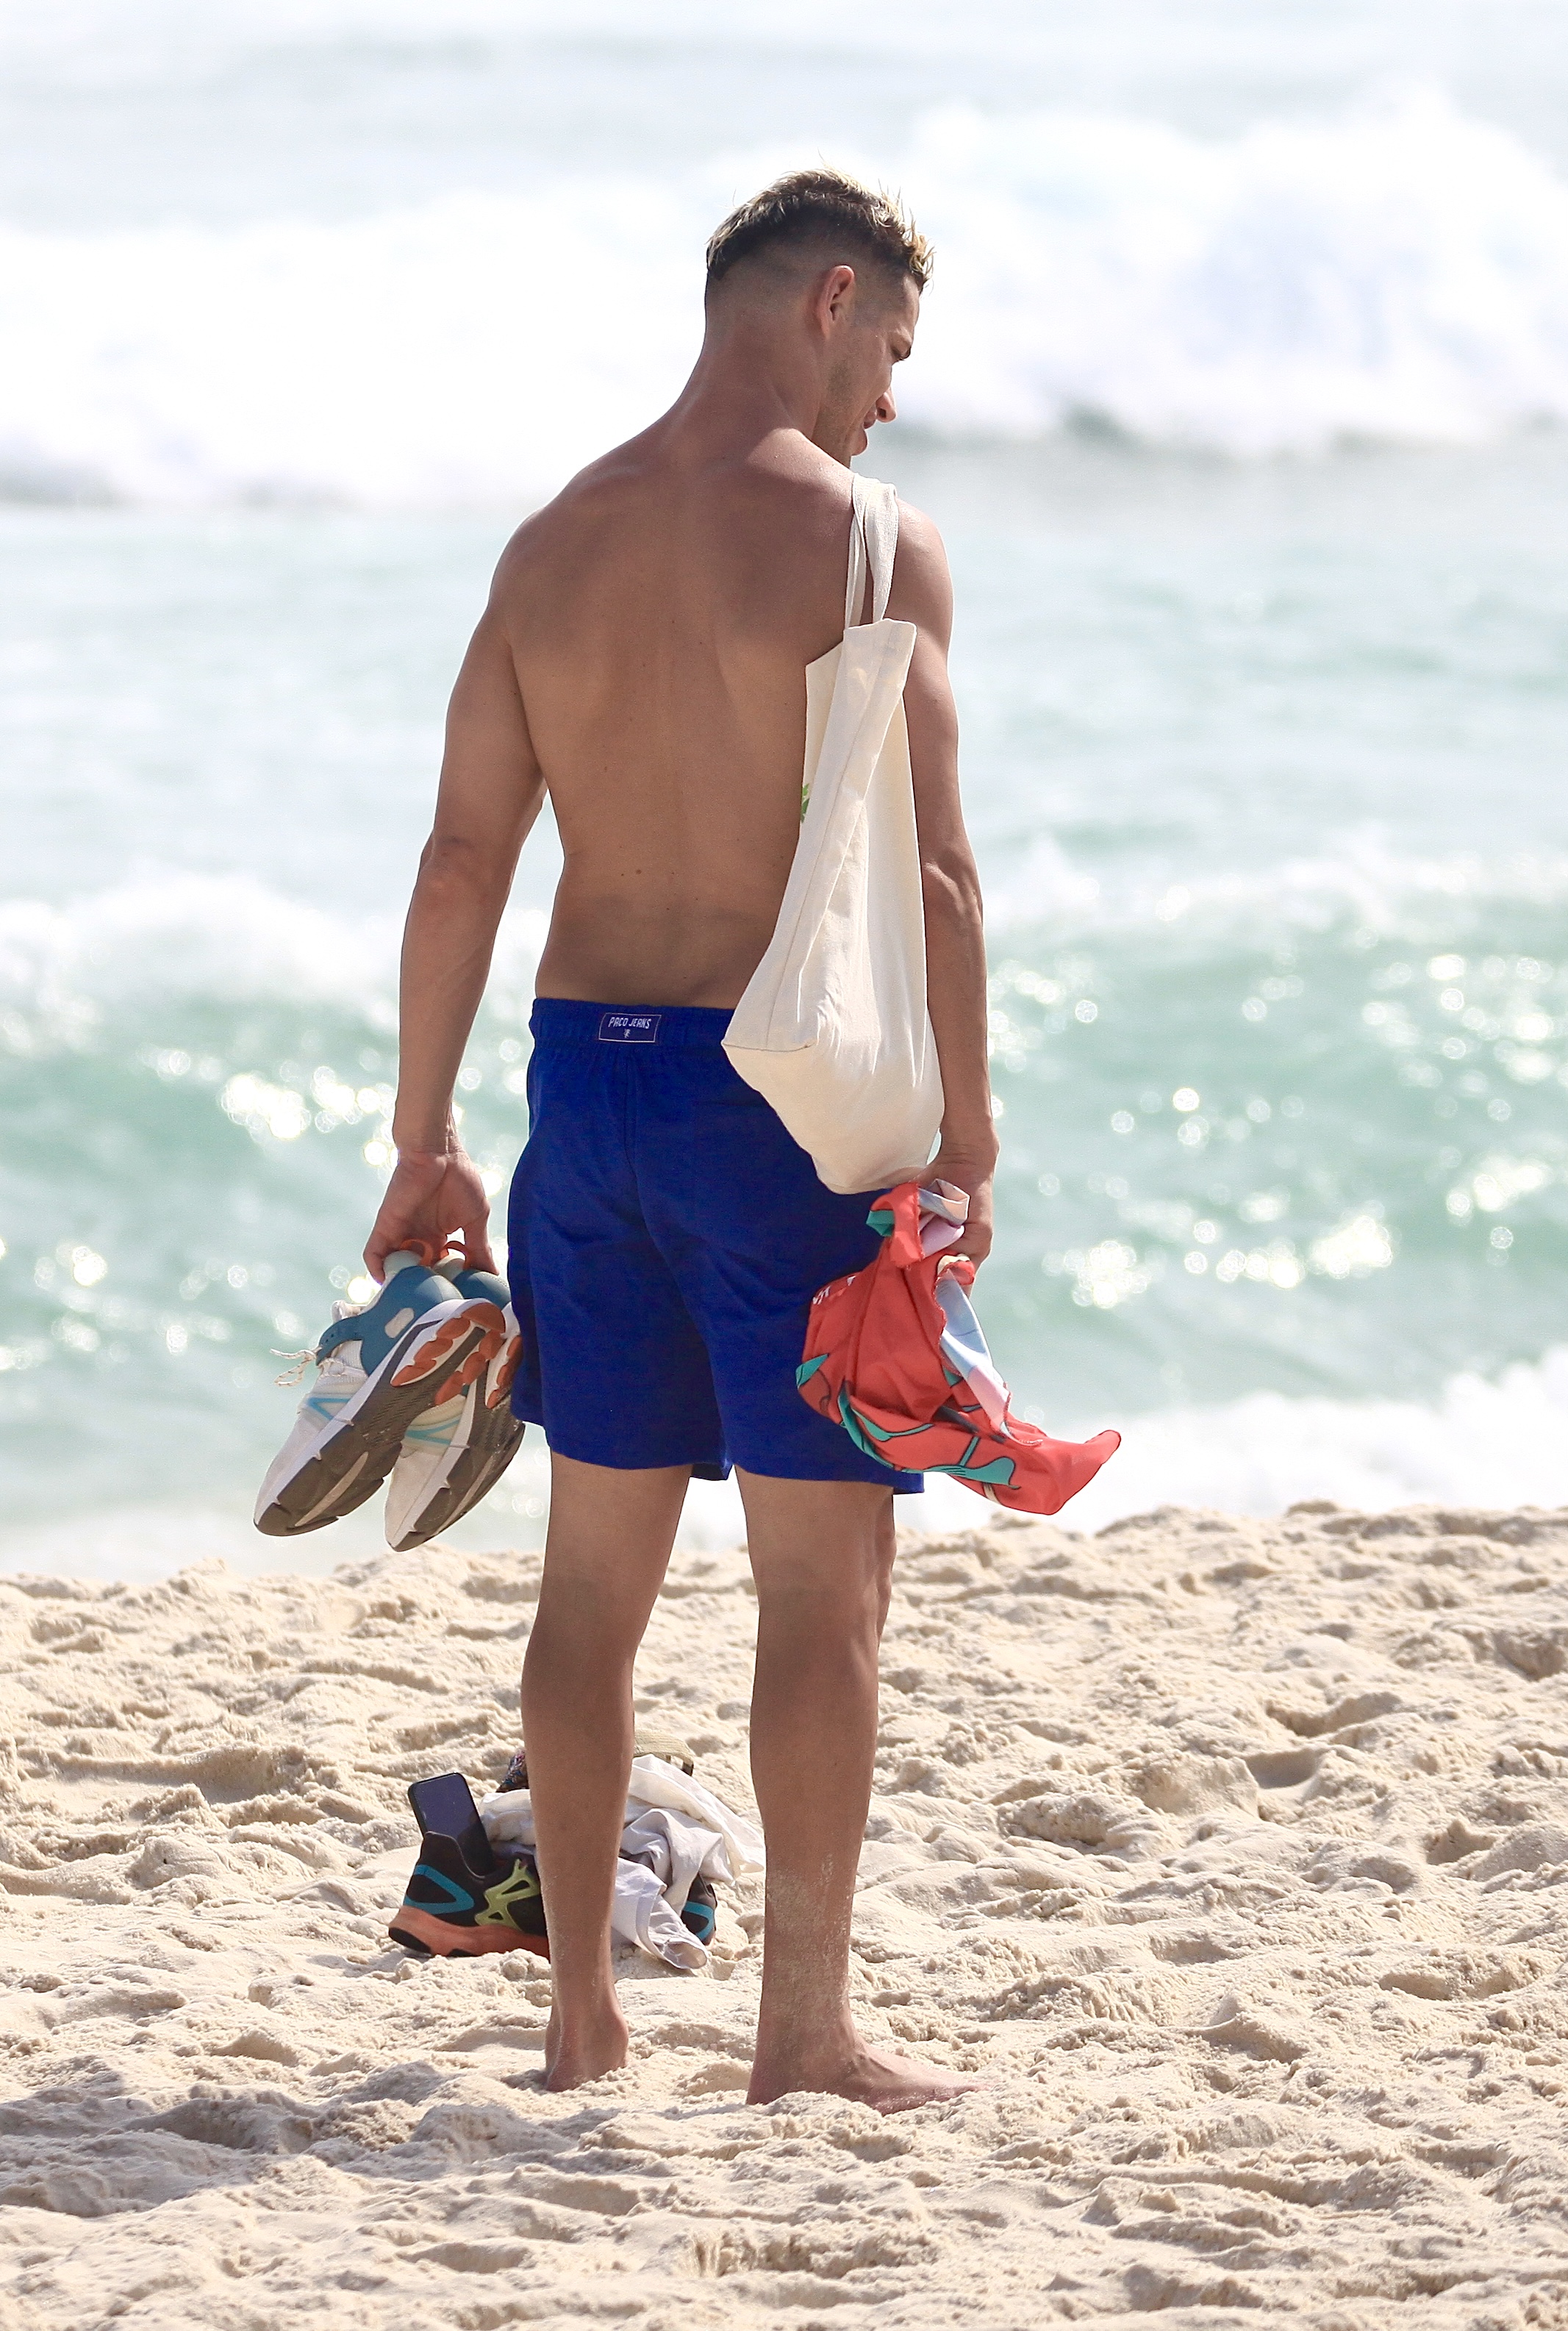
[(1262, 771), (1263, 713)]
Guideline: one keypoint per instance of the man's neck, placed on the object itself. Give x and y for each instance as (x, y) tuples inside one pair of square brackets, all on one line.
[(749, 385)]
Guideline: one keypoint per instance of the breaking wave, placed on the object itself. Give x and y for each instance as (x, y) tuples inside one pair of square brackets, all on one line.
[(1398, 274), (218, 941), (1498, 1441)]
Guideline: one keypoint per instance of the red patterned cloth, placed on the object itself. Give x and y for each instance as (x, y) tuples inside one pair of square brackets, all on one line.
[(895, 1356)]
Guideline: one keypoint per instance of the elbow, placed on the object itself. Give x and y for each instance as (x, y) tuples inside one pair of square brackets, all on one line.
[(950, 886), (454, 868)]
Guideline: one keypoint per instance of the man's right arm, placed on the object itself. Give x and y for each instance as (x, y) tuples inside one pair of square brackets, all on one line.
[(491, 792)]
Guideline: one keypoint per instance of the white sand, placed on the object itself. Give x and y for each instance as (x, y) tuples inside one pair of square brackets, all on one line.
[(1234, 1855)]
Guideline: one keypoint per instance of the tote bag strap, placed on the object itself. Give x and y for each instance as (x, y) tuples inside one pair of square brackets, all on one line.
[(873, 542)]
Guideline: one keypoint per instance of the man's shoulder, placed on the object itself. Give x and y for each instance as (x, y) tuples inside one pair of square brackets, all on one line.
[(639, 485), (922, 591), (597, 493), (919, 536)]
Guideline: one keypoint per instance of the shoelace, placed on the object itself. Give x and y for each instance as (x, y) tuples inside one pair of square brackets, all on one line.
[(294, 1373), (339, 1380)]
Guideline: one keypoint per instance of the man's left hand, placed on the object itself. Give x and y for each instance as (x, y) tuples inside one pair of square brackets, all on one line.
[(975, 1178)]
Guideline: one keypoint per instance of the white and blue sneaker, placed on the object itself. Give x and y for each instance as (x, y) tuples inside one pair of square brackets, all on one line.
[(419, 1345), (456, 1451)]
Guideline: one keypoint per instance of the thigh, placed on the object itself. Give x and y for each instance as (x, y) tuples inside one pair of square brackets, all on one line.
[(608, 1544)]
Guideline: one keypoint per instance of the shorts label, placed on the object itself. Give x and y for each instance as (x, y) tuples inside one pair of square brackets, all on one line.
[(630, 1027)]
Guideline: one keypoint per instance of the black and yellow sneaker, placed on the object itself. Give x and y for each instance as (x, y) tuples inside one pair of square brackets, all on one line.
[(464, 1899)]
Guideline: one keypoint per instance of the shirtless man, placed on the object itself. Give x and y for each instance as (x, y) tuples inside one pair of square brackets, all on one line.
[(641, 660)]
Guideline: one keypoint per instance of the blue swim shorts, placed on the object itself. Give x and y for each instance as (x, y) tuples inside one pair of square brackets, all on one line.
[(667, 1237)]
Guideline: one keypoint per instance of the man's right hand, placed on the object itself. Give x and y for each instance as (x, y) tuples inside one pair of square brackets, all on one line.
[(437, 1199)]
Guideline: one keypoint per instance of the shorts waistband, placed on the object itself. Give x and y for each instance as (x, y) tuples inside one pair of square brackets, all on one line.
[(558, 1020)]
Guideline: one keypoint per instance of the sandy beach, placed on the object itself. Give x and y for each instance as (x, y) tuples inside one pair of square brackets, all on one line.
[(1232, 1855)]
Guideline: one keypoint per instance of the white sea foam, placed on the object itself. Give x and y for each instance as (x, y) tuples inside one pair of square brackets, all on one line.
[(212, 940), (1356, 878), (1503, 1442), (1401, 273), (1499, 1444), (231, 939)]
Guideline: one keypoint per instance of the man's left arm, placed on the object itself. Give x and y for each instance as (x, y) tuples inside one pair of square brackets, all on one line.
[(922, 595)]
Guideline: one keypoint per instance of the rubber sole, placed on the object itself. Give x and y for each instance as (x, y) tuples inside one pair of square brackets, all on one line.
[(498, 1435), (351, 1462), (417, 1930)]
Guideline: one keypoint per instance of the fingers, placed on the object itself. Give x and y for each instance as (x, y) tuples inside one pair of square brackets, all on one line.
[(975, 1242), (476, 1239), (401, 1228), (468, 1208), (476, 1229), (389, 1233)]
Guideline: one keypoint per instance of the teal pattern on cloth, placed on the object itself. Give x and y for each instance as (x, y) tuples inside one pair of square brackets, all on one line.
[(895, 1356)]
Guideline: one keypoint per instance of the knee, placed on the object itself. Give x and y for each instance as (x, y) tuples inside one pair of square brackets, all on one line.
[(570, 1632), (846, 1597), (822, 1554)]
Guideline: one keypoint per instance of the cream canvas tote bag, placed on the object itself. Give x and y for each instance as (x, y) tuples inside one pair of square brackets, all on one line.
[(833, 1029)]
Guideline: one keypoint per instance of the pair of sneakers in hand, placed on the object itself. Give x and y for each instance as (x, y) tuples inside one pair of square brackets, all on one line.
[(415, 1384)]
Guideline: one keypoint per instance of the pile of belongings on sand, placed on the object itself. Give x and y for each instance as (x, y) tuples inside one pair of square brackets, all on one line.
[(475, 1887)]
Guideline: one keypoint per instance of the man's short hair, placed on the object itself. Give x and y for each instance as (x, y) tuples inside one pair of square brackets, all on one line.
[(822, 207)]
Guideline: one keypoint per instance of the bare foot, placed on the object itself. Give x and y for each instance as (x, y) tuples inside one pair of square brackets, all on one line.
[(586, 2050), (866, 2076)]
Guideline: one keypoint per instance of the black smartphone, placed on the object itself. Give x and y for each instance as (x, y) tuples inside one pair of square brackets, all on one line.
[(444, 1807)]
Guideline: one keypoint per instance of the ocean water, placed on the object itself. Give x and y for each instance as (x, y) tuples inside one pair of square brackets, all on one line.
[(1239, 400)]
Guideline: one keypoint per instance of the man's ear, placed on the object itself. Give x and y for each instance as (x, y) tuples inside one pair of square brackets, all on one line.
[(833, 297)]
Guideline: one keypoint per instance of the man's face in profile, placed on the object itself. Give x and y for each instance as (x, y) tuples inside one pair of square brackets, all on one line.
[(879, 333)]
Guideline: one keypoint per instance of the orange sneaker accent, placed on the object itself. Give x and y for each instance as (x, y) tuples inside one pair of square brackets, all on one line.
[(432, 1352), (431, 1355), (447, 1941), (505, 1372), (477, 1361)]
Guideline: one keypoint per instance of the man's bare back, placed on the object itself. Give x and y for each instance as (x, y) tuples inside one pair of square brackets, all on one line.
[(663, 616), (643, 662), (659, 617)]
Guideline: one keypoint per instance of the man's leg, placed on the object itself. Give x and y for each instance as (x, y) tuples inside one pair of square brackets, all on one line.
[(605, 1554), (821, 1553)]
